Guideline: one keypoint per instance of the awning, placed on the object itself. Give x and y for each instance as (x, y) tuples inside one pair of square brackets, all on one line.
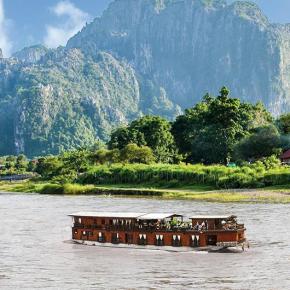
[(158, 216)]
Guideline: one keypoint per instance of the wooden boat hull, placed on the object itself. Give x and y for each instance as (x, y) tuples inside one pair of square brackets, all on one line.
[(207, 249)]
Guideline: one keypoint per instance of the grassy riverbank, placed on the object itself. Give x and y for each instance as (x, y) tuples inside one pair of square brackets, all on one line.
[(197, 193)]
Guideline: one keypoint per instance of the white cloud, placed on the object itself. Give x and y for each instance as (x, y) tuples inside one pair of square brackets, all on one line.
[(59, 34), (5, 43)]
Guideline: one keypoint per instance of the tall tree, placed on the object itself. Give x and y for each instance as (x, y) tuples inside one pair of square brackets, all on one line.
[(209, 131), (151, 131)]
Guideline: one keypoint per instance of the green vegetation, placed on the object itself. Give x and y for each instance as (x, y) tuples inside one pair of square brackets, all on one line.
[(151, 131), (10, 165), (257, 175), (209, 131), (219, 144), (197, 193)]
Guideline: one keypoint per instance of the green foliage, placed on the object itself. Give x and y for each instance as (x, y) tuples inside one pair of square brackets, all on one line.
[(52, 189), (49, 166), (77, 160), (135, 154), (209, 131), (14, 165), (104, 156), (21, 162), (283, 124), (151, 131), (271, 162), (67, 188), (255, 175), (263, 142)]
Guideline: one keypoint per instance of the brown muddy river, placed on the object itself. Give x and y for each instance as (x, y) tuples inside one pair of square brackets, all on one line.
[(33, 254)]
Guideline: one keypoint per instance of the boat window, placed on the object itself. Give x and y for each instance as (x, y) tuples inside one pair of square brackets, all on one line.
[(195, 240), (111, 222), (159, 240), (103, 222), (176, 240)]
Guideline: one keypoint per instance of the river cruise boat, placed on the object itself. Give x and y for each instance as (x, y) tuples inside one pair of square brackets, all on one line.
[(168, 231)]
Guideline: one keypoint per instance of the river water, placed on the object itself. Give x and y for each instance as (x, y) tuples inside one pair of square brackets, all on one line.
[(33, 254)]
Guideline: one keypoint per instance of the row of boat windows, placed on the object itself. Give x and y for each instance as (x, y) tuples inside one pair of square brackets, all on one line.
[(142, 238)]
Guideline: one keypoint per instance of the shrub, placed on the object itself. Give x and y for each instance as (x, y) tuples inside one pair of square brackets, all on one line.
[(52, 189)]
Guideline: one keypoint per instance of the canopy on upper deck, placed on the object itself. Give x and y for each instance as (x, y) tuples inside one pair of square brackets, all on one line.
[(124, 215), (127, 215), (158, 216), (212, 217)]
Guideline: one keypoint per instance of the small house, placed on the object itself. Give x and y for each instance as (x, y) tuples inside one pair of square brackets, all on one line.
[(285, 157)]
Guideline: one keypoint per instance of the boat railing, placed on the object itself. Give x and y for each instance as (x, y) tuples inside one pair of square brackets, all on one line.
[(156, 229)]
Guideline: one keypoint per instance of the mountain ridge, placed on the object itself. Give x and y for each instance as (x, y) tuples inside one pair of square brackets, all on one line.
[(140, 57), (118, 29)]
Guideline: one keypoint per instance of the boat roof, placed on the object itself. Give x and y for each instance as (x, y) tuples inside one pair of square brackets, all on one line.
[(158, 216), (204, 217), (108, 214), (136, 215), (147, 216)]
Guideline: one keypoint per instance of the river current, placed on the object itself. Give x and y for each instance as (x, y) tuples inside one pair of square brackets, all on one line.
[(34, 254)]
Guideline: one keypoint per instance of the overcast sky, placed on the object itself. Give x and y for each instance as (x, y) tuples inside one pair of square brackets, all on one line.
[(52, 22)]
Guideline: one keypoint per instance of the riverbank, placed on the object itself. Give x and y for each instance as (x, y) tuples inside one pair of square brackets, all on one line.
[(198, 193)]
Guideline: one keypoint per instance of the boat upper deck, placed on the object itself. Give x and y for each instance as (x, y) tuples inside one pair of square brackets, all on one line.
[(153, 221)]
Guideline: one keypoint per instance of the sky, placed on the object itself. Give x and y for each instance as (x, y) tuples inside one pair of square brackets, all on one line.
[(53, 22)]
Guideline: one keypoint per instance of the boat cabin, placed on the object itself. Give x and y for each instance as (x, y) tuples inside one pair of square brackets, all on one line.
[(156, 229)]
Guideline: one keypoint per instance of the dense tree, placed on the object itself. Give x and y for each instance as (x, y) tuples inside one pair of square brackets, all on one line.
[(283, 124), (21, 162), (123, 136), (49, 166), (132, 153), (264, 142), (10, 162), (209, 131), (104, 156), (77, 160), (151, 131)]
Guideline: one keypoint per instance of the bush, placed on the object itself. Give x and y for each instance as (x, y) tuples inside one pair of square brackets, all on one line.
[(78, 189), (52, 189)]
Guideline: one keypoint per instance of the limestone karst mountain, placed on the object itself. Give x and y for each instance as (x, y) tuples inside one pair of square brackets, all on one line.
[(140, 57)]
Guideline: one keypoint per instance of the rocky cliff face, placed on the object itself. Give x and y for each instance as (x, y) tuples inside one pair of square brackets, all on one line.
[(31, 54), (140, 57), (64, 101), (190, 47)]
